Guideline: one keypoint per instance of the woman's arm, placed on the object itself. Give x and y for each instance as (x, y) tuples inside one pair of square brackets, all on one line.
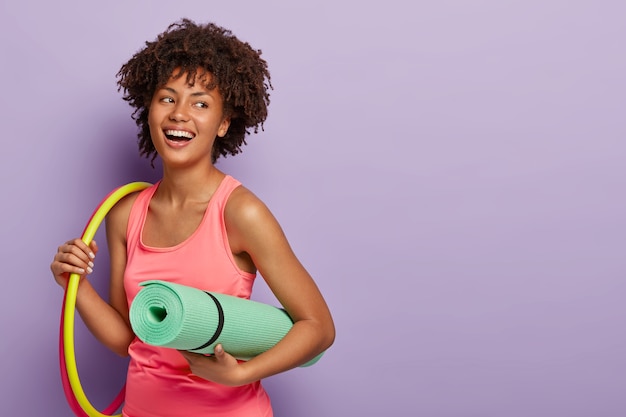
[(253, 230), (107, 321)]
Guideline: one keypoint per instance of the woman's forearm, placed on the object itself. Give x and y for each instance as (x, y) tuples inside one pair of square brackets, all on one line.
[(104, 322)]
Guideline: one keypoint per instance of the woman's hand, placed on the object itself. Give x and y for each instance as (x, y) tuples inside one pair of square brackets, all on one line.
[(73, 257), (221, 367)]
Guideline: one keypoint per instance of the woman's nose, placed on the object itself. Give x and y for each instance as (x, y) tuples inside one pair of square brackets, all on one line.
[(179, 113)]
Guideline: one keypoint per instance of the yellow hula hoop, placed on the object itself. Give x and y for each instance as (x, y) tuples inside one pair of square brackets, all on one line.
[(72, 288)]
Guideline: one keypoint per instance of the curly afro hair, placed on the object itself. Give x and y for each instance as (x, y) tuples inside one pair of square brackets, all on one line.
[(237, 70)]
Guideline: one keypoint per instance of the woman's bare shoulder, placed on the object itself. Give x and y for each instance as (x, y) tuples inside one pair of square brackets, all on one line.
[(117, 217), (244, 205)]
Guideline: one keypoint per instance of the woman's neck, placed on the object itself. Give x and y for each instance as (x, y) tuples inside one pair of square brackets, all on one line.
[(180, 186)]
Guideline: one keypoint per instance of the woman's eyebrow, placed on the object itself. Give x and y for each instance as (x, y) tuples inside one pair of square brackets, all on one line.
[(200, 93), (194, 94)]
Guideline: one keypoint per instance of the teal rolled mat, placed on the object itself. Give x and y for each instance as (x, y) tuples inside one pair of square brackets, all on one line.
[(186, 318)]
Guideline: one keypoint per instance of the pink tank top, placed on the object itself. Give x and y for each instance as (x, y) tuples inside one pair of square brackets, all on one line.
[(159, 382)]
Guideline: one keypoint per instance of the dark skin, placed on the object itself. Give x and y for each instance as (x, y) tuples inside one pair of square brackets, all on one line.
[(256, 239)]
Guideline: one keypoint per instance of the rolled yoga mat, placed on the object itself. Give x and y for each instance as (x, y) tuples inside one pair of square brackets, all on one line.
[(181, 317)]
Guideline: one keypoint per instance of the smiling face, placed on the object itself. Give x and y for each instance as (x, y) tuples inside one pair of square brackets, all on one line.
[(185, 119)]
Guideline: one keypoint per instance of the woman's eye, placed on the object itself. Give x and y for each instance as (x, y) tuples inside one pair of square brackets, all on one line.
[(202, 105), (167, 100)]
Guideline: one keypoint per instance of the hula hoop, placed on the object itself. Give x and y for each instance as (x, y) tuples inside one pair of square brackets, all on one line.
[(74, 392)]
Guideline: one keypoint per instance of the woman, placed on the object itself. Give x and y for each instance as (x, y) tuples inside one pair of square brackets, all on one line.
[(197, 91)]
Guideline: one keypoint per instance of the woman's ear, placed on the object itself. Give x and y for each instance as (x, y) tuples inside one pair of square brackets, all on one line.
[(223, 129)]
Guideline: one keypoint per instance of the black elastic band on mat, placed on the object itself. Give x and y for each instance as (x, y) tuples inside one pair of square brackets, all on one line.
[(220, 323)]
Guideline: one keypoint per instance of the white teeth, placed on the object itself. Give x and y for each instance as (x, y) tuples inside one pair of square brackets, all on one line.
[(179, 133)]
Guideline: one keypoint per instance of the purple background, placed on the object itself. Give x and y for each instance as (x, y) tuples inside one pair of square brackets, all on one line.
[(451, 172)]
